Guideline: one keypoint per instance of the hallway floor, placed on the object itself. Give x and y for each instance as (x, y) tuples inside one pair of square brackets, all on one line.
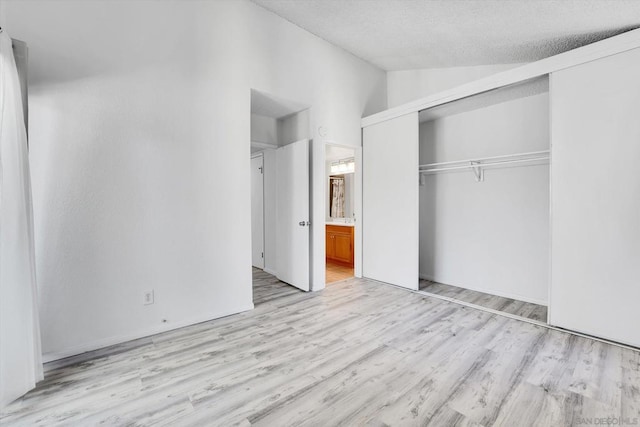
[(337, 272), (267, 287)]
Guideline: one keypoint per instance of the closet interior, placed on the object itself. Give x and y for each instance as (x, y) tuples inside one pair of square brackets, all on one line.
[(516, 193), (484, 200)]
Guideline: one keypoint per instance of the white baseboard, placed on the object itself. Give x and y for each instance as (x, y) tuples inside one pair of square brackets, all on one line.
[(106, 342), (490, 291)]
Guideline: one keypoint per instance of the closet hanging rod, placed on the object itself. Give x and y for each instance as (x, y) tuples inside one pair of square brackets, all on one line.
[(473, 165), (484, 159)]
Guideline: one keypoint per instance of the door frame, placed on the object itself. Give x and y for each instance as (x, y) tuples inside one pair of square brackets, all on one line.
[(357, 205)]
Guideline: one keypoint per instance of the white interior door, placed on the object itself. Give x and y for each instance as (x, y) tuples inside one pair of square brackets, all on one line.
[(257, 212), (390, 217), (292, 213)]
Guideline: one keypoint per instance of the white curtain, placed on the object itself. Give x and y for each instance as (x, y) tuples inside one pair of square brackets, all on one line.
[(337, 200), (20, 354)]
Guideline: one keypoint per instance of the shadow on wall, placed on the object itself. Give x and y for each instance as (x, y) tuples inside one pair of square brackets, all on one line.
[(427, 206), (90, 48)]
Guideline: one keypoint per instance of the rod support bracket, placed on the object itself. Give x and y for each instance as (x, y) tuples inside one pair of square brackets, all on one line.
[(477, 171)]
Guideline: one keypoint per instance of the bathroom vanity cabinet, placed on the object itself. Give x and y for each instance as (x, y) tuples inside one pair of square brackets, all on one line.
[(339, 244)]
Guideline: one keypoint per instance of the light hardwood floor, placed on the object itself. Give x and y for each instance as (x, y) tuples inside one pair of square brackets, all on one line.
[(336, 272), (267, 287), (356, 353), (507, 305)]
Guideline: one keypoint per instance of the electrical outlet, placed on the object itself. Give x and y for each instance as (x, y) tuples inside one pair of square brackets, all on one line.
[(147, 297)]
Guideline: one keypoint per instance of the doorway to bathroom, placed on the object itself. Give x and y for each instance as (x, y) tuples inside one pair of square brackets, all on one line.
[(340, 212)]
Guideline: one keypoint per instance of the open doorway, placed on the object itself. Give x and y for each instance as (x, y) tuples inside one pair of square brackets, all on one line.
[(280, 192), (340, 212)]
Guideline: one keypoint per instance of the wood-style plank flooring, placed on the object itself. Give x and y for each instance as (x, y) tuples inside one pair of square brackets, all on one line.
[(356, 353), (267, 287), (506, 305), (336, 272)]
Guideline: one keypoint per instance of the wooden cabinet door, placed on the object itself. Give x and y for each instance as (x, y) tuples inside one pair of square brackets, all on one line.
[(330, 245), (339, 244), (343, 249)]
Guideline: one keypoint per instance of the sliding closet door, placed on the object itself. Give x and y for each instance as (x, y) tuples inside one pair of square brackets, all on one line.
[(390, 201), (595, 204)]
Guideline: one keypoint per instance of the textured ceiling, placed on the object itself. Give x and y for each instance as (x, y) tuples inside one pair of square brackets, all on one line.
[(412, 34)]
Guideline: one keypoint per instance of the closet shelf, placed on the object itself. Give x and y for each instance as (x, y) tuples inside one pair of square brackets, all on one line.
[(479, 164)]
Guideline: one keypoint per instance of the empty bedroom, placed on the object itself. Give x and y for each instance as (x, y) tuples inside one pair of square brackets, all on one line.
[(319, 212)]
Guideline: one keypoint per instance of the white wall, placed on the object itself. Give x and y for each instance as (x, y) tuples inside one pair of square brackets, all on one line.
[(294, 127), (491, 236), (264, 129), (140, 130), (407, 85), (281, 131)]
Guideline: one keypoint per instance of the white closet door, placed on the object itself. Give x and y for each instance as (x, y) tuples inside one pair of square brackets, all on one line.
[(390, 201), (595, 202)]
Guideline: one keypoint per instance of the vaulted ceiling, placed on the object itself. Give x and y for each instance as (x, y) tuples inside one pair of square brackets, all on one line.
[(413, 34)]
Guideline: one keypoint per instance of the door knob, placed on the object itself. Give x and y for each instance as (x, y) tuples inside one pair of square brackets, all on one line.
[(304, 223)]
